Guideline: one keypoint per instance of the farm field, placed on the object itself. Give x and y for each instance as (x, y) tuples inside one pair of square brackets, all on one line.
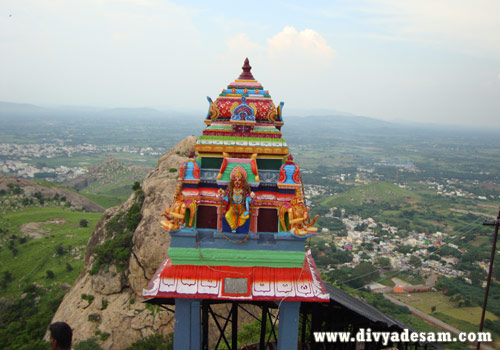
[(425, 301), (464, 318)]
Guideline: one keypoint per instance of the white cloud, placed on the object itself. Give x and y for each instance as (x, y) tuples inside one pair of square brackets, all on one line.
[(307, 44), (290, 48), (242, 43), (289, 62)]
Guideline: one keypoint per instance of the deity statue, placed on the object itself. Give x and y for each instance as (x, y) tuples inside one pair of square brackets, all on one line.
[(237, 200), (298, 217), (174, 216), (190, 170)]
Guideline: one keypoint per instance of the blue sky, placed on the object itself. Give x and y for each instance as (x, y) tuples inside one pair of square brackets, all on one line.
[(428, 61)]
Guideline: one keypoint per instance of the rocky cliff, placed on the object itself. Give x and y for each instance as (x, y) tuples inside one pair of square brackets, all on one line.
[(125, 249)]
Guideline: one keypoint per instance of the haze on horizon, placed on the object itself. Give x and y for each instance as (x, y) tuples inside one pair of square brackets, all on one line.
[(420, 61)]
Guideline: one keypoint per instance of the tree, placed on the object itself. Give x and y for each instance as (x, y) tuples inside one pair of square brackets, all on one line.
[(361, 227), (17, 190), (368, 246), (60, 250), (136, 186), (415, 261), (363, 274), (433, 308), (477, 276), (496, 269), (84, 223), (384, 262), (6, 279), (404, 249), (50, 274), (364, 256)]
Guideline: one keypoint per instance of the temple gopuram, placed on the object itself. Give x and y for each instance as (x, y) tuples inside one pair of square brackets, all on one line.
[(238, 226), (239, 222)]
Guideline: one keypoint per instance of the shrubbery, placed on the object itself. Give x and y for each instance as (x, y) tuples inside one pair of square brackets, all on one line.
[(120, 231), (88, 344), (24, 321), (153, 342)]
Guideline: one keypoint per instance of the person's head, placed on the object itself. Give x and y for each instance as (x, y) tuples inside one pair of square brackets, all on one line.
[(60, 336)]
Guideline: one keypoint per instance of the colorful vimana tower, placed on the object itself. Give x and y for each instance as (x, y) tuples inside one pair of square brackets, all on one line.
[(239, 222)]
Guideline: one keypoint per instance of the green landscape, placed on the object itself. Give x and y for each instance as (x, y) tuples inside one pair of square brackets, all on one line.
[(397, 203)]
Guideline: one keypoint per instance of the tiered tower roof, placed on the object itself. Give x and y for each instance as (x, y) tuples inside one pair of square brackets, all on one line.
[(239, 221)]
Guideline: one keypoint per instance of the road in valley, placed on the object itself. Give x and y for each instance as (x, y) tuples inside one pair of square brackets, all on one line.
[(432, 320)]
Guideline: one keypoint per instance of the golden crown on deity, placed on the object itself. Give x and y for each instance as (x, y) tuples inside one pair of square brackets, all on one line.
[(298, 194), (239, 172)]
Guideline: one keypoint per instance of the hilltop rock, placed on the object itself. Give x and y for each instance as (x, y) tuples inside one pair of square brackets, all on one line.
[(111, 171), (116, 307)]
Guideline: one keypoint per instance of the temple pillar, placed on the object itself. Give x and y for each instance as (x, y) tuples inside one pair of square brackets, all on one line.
[(289, 325), (219, 218), (187, 329), (254, 218)]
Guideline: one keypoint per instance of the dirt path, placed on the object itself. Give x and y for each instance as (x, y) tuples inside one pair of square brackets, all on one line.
[(461, 211)]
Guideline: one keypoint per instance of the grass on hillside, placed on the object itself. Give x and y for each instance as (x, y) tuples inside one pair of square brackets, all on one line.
[(375, 192), (108, 195), (36, 256), (50, 184), (120, 188), (104, 200)]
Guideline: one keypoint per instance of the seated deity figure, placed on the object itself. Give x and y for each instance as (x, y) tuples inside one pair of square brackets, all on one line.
[(298, 214), (174, 216), (236, 200)]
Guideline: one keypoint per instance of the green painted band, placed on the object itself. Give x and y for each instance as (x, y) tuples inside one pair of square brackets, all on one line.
[(234, 257)]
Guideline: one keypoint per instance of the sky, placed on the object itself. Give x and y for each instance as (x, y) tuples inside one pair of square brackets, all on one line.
[(429, 61)]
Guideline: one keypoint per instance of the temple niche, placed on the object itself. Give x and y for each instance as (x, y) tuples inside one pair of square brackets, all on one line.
[(238, 221)]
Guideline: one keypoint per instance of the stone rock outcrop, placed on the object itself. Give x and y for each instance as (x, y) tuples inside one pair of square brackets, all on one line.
[(107, 305), (108, 172)]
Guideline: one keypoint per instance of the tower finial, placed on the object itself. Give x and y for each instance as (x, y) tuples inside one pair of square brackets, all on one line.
[(246, 74)]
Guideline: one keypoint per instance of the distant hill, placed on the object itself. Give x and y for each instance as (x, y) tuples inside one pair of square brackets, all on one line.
[(17, 193), (109, 183), (372, 193), (10, 110)]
